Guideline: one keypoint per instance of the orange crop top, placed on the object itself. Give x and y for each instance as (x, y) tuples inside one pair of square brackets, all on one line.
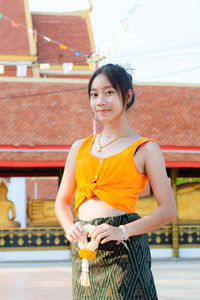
[(114, 179)]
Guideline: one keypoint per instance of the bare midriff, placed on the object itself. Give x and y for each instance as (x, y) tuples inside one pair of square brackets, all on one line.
[(96, 208)]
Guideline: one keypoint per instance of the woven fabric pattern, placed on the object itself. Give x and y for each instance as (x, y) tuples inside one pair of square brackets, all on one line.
[(116, 273)]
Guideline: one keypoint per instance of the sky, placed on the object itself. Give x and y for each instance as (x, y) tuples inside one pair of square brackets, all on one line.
[(160, 39)]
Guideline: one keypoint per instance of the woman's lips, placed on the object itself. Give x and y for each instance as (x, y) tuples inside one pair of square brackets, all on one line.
[(103, 111)]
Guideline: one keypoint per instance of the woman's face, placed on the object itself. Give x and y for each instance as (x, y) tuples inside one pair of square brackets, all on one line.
[(105, 101)]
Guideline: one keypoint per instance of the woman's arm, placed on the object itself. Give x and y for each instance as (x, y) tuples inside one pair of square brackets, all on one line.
[(65, 195), (166, 211)]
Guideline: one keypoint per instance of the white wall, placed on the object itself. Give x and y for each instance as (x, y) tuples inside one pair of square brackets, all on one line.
[(17, 194)]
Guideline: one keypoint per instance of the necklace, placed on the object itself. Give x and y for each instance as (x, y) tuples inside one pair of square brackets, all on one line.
[(111, 141)]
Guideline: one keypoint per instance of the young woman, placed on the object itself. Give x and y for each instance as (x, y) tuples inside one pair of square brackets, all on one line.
[(106, 172)]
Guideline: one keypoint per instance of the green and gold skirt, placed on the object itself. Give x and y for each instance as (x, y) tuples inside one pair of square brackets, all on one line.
[(117, 272)]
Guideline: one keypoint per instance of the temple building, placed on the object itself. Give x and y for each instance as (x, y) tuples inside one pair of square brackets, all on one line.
[(44, 73)]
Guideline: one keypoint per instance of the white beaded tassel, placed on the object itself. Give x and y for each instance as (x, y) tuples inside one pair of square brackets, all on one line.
[(84, 279)]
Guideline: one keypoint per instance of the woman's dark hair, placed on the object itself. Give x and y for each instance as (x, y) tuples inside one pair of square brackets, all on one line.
[(120, 79)]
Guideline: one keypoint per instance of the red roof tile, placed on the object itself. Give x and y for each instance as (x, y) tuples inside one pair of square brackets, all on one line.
[(9, 36), (168, 114), (71, 31), (54, 113), (43, 113)]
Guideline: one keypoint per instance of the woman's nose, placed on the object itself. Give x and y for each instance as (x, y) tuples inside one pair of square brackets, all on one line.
[(101, 100)]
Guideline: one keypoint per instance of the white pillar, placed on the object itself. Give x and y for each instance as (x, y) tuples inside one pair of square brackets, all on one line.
[(17, 194)]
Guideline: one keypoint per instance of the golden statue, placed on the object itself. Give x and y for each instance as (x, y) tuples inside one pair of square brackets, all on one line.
[(5, 206), (188, 196), (41, 212), (188, 202)]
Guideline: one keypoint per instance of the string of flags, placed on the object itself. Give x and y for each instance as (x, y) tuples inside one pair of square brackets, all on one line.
[(92, 60), (16, 24)]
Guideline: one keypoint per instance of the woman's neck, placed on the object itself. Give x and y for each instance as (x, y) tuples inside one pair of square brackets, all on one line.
[(114, 129)]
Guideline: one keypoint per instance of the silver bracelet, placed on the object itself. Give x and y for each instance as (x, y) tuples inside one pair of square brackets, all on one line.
[(124, 232)]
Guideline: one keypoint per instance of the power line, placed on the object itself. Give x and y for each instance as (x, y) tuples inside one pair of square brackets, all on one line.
[(156, 50), (164, 43), (41, 94), (156, 58), (171, 73)]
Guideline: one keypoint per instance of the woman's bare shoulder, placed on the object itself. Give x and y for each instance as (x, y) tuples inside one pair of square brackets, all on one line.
[(151, 147), (152, 154), (75, 146)]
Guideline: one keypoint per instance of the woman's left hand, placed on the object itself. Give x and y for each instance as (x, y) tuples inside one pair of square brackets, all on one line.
[(104, 233)]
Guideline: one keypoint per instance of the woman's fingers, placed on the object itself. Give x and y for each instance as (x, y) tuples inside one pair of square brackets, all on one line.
[(75, 233), (80, 227), (70, 238), (101, 231), (101, 236), (104, 233), (107, 239)]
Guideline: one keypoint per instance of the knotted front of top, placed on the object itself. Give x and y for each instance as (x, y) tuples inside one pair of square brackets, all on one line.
[(114, 179)]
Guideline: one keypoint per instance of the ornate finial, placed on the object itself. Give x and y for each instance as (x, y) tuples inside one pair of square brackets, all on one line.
[(90, 6)]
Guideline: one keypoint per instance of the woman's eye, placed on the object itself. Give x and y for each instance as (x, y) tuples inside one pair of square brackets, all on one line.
[(93, 95), (109, 92)]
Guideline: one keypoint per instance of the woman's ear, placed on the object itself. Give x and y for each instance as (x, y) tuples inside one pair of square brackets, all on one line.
[(129, 96)]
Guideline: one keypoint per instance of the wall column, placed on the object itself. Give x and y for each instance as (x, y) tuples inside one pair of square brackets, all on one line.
[(17, 194), (175, 231), (60, 174)]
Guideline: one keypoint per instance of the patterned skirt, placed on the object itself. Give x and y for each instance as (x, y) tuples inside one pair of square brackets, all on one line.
[(116, 273)]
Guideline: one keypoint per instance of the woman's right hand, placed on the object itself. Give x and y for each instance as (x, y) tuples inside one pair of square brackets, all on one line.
[(75, 232)]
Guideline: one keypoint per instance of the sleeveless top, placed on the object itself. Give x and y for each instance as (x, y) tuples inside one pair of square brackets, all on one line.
[(114, 179)]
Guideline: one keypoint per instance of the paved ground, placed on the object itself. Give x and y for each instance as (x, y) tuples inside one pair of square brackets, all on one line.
[(175, 279)]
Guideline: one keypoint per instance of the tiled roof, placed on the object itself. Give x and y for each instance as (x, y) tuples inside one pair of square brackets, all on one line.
[(70, 30), (43, 113), (52, 113), (9, 36), (30, 156), (168, 114)]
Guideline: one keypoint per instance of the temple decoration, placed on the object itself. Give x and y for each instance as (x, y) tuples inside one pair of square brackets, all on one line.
[(33, 239), (188, 198), (5, 206), (16, 24), (188, 202), (41, 212), (40, 238)]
